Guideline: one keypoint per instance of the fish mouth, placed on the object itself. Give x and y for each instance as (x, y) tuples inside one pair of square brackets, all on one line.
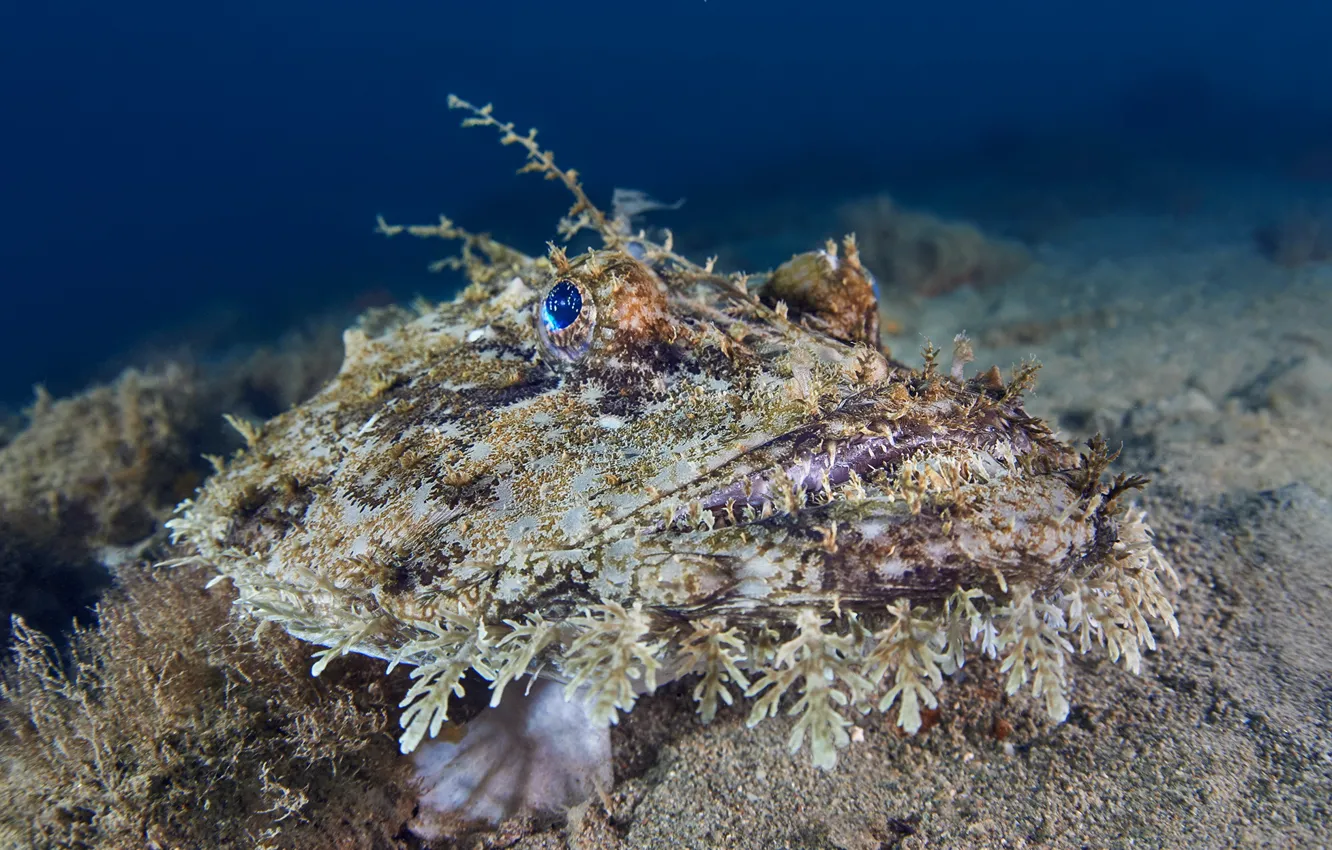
[(812, 468)]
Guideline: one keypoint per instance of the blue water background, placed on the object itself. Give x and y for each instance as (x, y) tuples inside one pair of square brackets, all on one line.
[(211, 172)]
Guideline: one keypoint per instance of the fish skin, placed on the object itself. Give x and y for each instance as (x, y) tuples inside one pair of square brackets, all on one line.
[(694, 456)]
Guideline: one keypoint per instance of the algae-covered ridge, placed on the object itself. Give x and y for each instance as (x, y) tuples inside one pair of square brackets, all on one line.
[(623, 467)]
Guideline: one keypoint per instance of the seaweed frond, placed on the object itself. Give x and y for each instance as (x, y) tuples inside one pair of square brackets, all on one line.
[(1097, 615), (1111, 606), (963, 353), (1092, 465), (515, 652), (610, 657), (453, 646), (966, 624), (1136, 553), (1024, 380), (583, 214), (929, 354), (910, 648), (482, 258), (817, 660), (1036, 650), (716, 651), (170, 723)]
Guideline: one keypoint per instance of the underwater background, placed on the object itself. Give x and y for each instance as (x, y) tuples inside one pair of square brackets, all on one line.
[(205, 176), (1137, 196)]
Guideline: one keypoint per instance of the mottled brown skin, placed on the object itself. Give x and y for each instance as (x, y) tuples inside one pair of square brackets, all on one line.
[(623, 465), (678, 359)]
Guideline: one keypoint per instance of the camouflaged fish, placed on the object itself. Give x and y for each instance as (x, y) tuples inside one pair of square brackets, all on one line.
[(611, 470)]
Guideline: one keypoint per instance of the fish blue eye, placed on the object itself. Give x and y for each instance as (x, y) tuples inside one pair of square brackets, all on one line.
[(566, 320), (562, 306)]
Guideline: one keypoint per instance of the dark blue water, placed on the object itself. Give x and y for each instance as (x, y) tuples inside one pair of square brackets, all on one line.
[(212, 171)]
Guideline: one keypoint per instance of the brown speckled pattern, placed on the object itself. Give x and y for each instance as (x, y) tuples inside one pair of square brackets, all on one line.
[(720, 482)]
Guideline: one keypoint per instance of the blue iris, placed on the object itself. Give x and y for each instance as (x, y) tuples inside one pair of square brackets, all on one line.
[(562, 305)]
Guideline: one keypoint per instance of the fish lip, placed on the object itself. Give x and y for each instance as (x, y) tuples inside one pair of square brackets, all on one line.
[(811, 469)]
